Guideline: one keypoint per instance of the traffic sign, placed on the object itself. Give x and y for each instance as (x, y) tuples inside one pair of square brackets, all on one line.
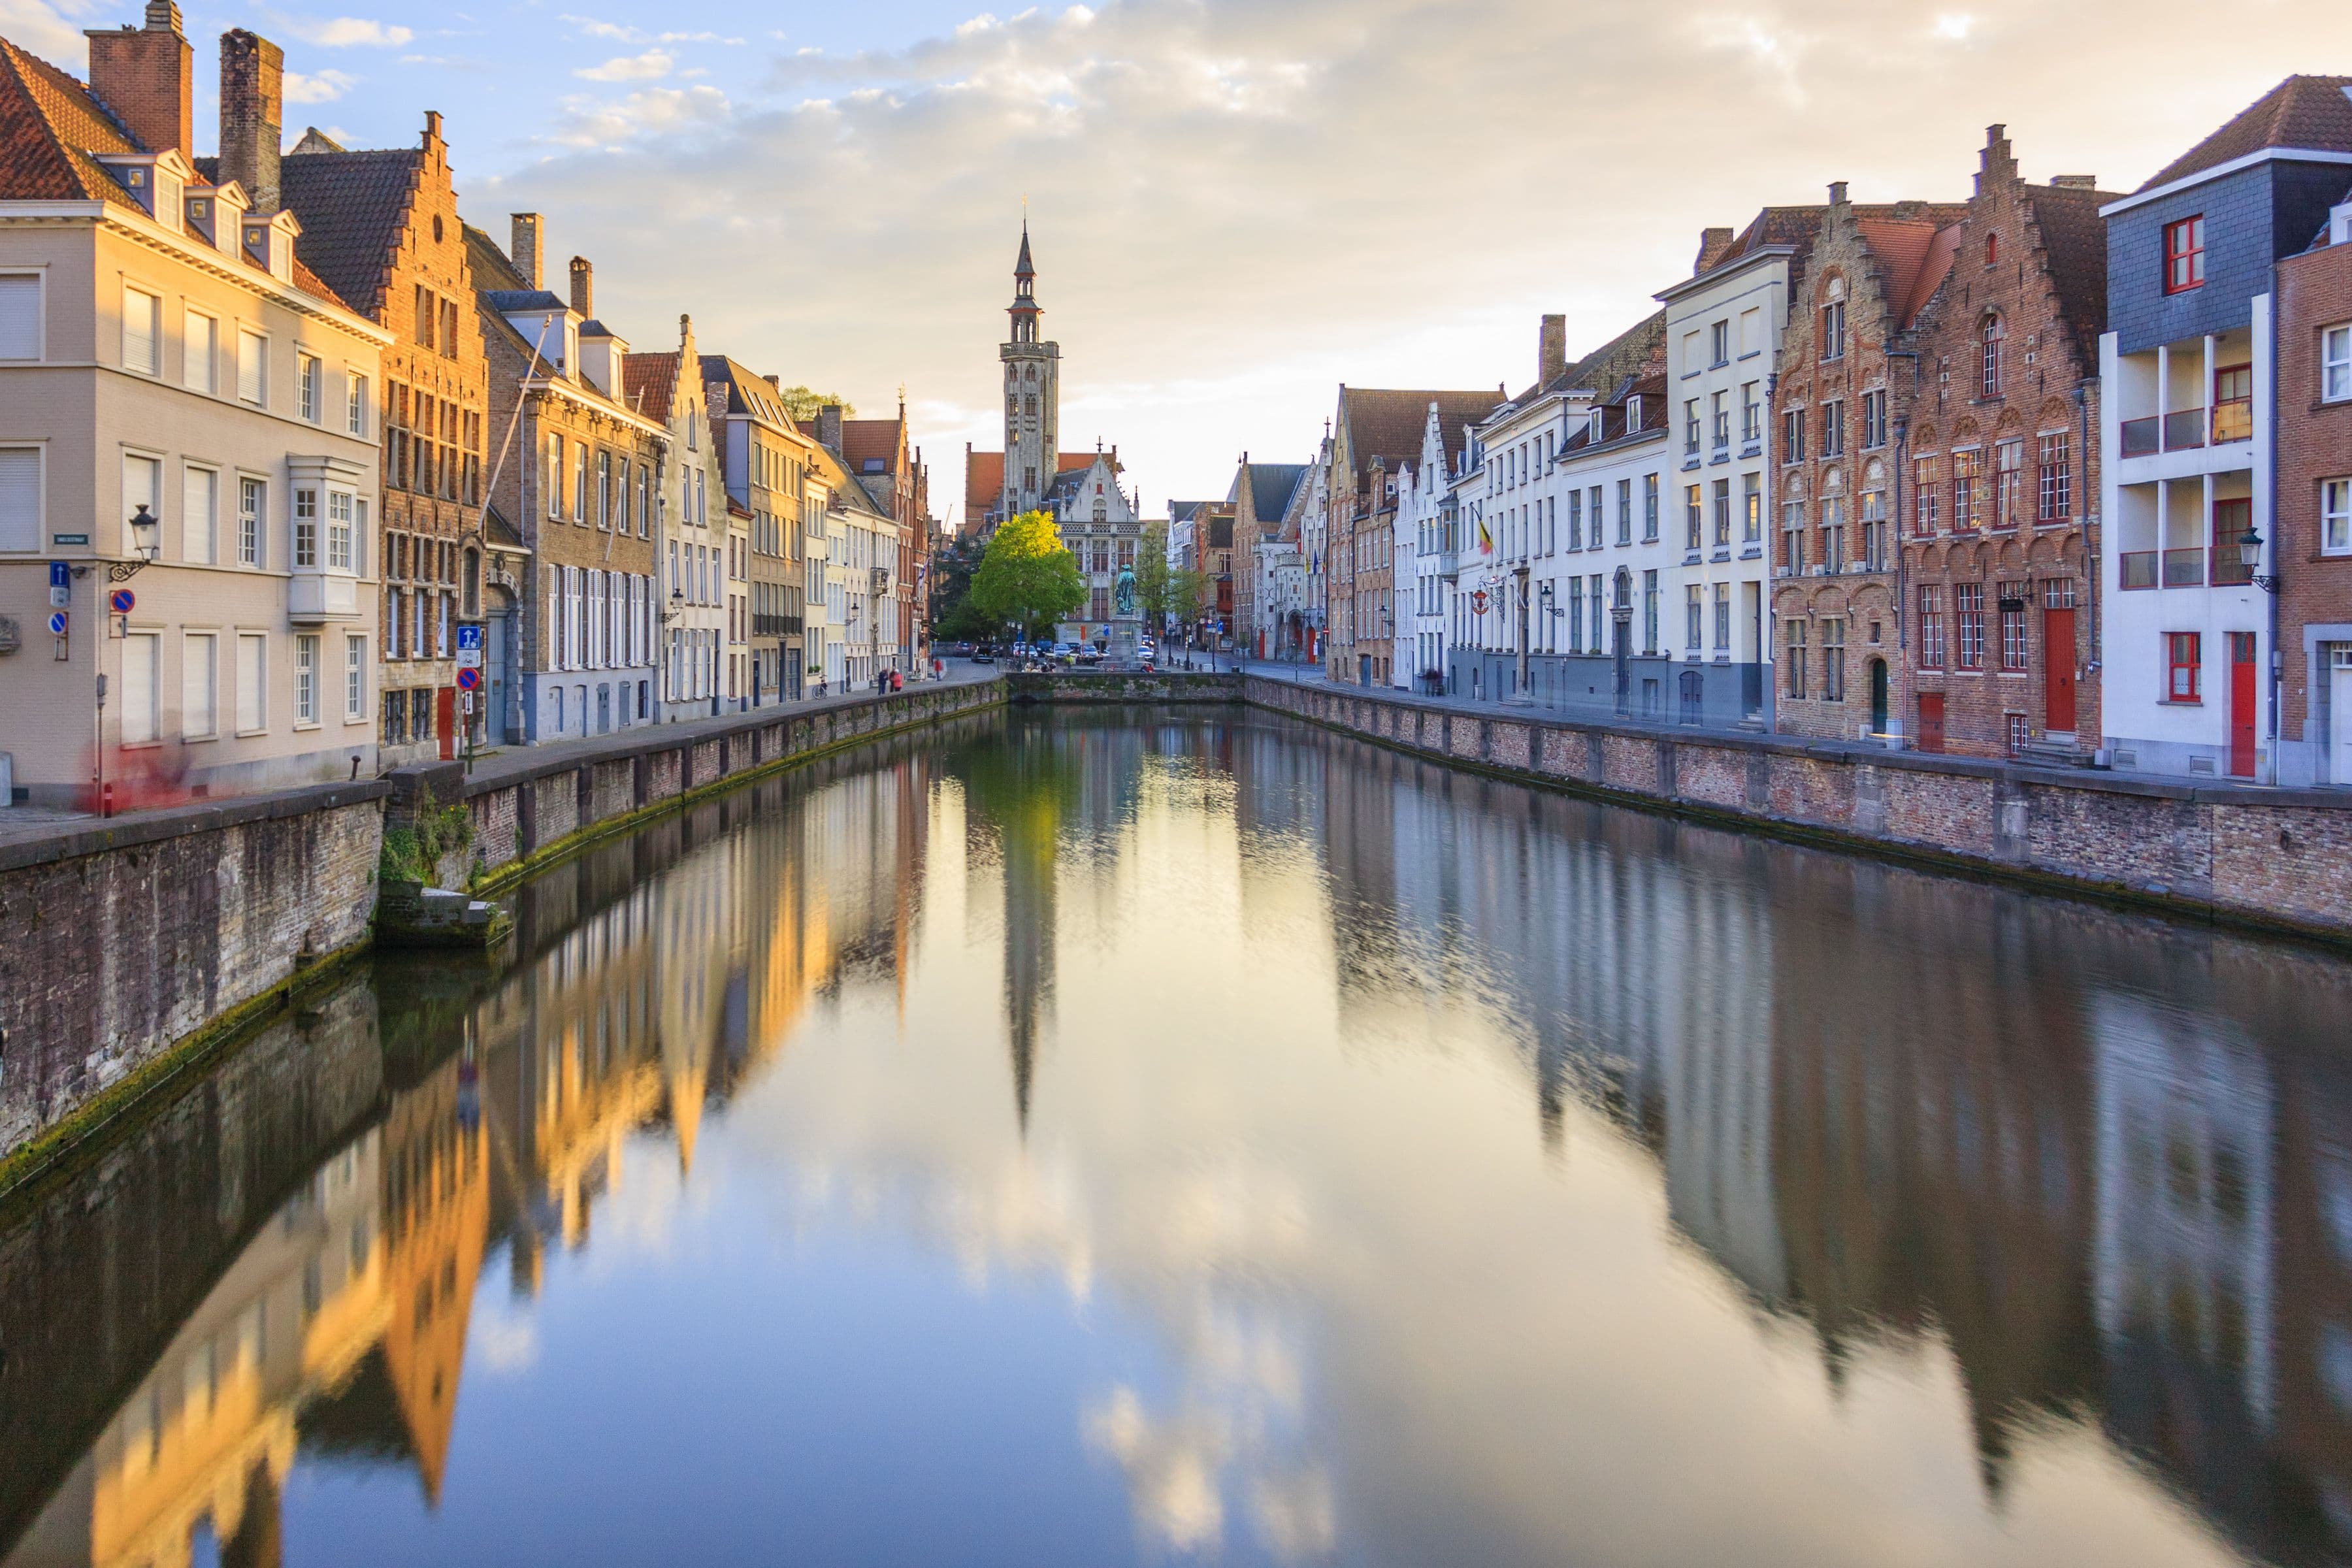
[(60, 575), (470, 639), (470, 658), (122, 601), (58, 622), (468, 678)]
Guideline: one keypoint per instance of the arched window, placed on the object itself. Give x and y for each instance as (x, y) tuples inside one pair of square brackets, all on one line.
[(1989, 335)]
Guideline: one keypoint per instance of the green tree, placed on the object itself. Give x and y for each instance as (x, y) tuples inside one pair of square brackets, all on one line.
[(1188, 594), (1155, 595), (1026, 579), (803, 405)]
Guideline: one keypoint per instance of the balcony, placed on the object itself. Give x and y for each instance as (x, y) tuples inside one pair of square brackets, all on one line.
[(2230, 569), (2233, 420), (2184, 568), (2184, 429), (2143, 438), (2139, 568), (313, 597)]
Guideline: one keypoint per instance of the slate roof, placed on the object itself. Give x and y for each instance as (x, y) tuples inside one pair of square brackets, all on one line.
[(1388, 423), (354, 212), (748, 392), (648, 382), (1639, 348), (1270, 486), (844, 484), (1650, 388), (2307, 112)]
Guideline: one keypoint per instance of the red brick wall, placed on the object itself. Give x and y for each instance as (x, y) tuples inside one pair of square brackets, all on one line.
[(2315, 443)]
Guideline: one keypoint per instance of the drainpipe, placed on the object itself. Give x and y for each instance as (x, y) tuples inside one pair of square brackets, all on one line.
[(2093, 570), (2268, 405)]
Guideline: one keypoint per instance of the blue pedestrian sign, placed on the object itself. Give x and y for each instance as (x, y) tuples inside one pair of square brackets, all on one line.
[(470, 639)]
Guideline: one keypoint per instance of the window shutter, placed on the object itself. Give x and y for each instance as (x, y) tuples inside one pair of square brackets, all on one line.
[(20, 498), (249, 367), (20, 318), (139, 331)]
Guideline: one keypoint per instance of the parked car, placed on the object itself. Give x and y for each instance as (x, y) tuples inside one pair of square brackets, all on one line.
[(983, 656)]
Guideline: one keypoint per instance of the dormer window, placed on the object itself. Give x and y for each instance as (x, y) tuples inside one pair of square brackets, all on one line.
[(1592, 431), (1633, 412)]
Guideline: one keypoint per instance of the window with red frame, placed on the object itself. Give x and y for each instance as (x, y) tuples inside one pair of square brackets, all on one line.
[(2057, 488), (1990, 336), (1992, 248), (1931, 628), (2183, 665), (2007, 482), (2184, 255), (1965, 499), (1968, 606)]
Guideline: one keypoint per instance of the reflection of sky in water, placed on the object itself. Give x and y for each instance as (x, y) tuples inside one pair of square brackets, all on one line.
[(1412, 1170)]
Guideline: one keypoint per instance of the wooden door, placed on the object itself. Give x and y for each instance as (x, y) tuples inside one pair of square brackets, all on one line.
[(1931, 720), (2058, 671), (445, 721), (2242, 705)]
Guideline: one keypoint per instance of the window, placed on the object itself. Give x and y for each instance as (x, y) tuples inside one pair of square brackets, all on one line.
[(1874, 420), (1931, 628), (1650, 507), (1923, 496), (1650, 611), (20, 498), (1992, 248), (553, 482), (1833, 533), (306, 679), (143, 485), (1693, 509), (2335, 363), (2184, 255), (1968, 605), (20, 315), (2183, 667), (199, 349), (2011, 605), (306, 528), (1723, 514), (1875, 557), (1989, 335), (252, 667), (1793, 538), (253, 367), (580, 482), (339, 506), (1965, 499), (1690, 426), (355, 403), (142, 318), (199, 494), (1722, 619), (1833, 429), (1794, 661), (1693, 615), (1834, 329), (2336, 517), (199, 675), (1833, 660), (306, 387), (1792, 436), (2232, 518), (2233, 404), (1719, 342), (2007, 482), (1575, 519), (1752, 414), (141, 717), (251, 500), (2055, 499), (355, 704), (1624, 512)]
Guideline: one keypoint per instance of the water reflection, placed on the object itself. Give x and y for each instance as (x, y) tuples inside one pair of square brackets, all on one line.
[(1131, 1136)]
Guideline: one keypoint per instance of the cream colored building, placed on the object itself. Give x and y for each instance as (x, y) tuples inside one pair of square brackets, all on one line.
[(160, 348)]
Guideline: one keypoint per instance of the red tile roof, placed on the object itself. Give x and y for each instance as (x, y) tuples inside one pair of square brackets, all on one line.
[(647, 382), (864, 438), (983, 478), (1913, 258), (2307, 112)]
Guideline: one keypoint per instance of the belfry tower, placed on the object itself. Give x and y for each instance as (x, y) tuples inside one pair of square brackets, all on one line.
[(1033, 395)]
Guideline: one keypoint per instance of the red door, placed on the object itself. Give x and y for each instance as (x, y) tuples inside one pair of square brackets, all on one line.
[(445, 721), (1931, 720), (2058, 671), (2242, 705)]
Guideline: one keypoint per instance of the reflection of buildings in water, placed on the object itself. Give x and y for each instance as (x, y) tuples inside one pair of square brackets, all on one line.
[(341, 1327)]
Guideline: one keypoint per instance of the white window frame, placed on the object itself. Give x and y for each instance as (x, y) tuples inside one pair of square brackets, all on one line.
[(34, 538), (2336, 517), (149, 728), (355, 404), (306, 680), (33, 286), (192, 529), (200, 651), (355, 698), (307, 373), (342, 515), (253, 389), (2336, 364), (304, 520), (199, 372), (258, 687), (151, 363), (252, 520)]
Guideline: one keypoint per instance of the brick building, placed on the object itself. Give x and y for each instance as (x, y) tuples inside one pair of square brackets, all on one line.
[(2314, 507), (704, 653), (883, 456), (767, 458), (582, 480), (381, 227), (1260, 494)]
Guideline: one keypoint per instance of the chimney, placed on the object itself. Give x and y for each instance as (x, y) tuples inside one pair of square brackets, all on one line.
[(828, 425), (148, 77), (252, 114), (522, 247), (1837, 193), (1712, 244), (583, 287), (2075, 182), (1997, 164), (1551, 349)]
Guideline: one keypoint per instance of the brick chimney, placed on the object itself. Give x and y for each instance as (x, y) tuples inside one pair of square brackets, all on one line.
[(828, 425), (1837, 193), (1551, 349), (252, 114), (148, 77), (1996, 164), (522, 247), (583, 287), (2075, 182), (1712, 244)]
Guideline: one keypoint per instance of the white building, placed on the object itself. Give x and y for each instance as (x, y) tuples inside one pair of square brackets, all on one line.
[(697, 563), (1723, 342), (1604, 574), (1420, 661), (1102, 526)]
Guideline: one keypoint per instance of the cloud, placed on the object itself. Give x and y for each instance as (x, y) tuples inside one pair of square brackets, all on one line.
[(1255, 201), (596, 27), (346, 32), (651, 65), (50, 29), (1954, 26), (318, 87)]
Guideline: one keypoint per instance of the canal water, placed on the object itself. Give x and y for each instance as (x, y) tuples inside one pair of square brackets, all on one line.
[(1156, 1138)]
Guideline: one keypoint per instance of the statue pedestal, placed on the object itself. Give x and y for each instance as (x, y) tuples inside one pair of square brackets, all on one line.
[(1123, 639)]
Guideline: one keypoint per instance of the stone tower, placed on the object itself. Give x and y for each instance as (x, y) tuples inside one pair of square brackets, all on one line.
[(1033, 397)]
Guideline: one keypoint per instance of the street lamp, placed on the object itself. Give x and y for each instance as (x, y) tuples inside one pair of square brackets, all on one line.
[(2249, 552), (146, 538)]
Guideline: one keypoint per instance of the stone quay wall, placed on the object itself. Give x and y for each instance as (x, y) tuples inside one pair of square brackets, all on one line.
[(2278, 860), (123, 942)]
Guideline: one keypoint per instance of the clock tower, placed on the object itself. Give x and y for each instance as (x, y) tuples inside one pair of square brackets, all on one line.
[(1033, 390)]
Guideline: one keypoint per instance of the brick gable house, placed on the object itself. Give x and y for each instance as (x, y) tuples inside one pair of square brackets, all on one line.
[(1997, 466), (2314, 507)]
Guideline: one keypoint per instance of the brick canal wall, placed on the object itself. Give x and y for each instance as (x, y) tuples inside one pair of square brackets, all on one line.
[(2275, 858), (1083, 686), (122, 941)]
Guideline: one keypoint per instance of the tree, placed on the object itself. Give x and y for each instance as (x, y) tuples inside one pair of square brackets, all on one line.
[(1188, 597), (803, 405), (1027, 580), (1155, 598)]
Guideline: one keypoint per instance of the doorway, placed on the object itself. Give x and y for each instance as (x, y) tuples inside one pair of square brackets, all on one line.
[(2058, 665), (2242, 705), (1878, 697), (2339, 714), (445, 716), (1931, 720)]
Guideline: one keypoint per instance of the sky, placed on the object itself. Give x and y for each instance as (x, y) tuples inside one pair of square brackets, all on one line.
[(1235, 204)]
